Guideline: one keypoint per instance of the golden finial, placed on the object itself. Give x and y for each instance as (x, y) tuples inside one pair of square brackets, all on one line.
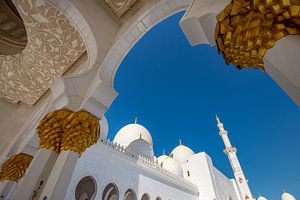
[(136, 120), (180, 142), (283, 191)]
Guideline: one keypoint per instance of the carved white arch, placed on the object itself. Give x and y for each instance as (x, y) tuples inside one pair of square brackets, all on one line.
[(101, 92), (154, 13), (198, 24), (71, 91), (130, 33)]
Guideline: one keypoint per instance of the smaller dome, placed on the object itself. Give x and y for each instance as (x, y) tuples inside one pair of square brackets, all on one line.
[(262, 198), (131, 132), (182, 152), (161, 158), (171, 165), (287, 196), (141, 147)]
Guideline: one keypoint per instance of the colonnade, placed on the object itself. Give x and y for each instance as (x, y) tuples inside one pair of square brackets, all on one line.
[(64, 136), (60, 137)]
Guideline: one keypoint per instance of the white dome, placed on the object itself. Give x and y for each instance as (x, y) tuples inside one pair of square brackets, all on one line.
[(171, 165), (161, 158), (262, 198), (131, 132), (287, 196), (181, 153), (141, 147)]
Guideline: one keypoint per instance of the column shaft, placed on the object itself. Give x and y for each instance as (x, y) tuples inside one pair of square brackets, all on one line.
[(60, 176), (36, 175), (6, 188)]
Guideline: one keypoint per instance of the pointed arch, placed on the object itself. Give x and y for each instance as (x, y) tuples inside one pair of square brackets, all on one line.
[(145, 197), (130, 195), (110, 192), (86, 189)]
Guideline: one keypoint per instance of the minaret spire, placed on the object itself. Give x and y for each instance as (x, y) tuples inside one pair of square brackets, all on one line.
[(230, 151)]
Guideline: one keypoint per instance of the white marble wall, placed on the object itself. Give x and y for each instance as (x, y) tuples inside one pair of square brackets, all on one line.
[(107, 165), (211, 182)]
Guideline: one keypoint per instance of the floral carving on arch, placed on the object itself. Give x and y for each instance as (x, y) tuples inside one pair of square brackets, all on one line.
[(53, 46)]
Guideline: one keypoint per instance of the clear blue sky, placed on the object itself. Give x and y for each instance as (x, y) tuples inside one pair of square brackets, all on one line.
[(175, 89)]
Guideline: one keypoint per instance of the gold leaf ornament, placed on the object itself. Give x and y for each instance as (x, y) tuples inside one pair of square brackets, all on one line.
[(80, 132), (66, 130), (15, 167), (50, 129), (256, 25)]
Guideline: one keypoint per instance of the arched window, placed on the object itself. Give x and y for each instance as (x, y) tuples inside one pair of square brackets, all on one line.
[(86, 189), (158, 198), (110, 192), (130, 195), (145, 197)]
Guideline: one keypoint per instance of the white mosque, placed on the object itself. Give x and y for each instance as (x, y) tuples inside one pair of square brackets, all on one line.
[(58, 61), (126, 168)]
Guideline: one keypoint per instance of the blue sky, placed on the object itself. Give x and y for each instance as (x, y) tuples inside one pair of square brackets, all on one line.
[(175, 89)]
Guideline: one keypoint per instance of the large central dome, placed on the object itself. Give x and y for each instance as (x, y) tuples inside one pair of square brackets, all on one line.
[(132, 132)]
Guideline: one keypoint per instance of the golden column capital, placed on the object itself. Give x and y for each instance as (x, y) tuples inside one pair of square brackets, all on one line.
[(81, 130), (66, 130), (246, 29), (15, 167), (50, 129)]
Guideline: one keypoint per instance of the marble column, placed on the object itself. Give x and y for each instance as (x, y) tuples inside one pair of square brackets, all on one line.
[(30, 186), (282, 64), (6, 187), (60, 176)]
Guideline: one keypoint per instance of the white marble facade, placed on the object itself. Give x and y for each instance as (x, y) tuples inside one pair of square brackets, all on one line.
[(184, 175)]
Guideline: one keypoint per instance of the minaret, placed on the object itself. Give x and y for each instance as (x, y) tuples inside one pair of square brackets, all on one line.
[(230, 151)]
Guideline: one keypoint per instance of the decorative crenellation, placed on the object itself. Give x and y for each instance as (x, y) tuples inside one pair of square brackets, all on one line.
[(143, 160), (66, 130), (15, 167), (246, 29), (53, 46)]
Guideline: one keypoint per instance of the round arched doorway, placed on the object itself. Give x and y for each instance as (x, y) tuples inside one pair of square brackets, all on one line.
[(86, 189)]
